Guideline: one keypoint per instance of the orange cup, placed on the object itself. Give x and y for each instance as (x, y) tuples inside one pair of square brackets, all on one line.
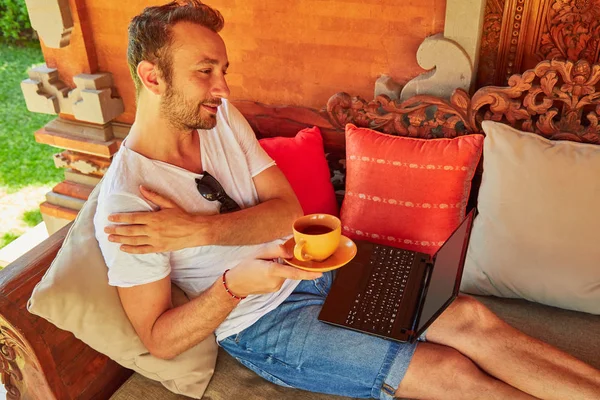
[(317, 236)]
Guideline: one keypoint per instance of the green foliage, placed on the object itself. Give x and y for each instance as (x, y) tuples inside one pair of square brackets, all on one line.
[(23, 162), (7, 238), (14, 21), (32, 218)]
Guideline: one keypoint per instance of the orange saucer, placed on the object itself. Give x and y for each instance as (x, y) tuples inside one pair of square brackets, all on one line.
[(342, 256)]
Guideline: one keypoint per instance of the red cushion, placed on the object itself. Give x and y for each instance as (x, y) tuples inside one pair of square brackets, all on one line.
[(407, 192), (302, 161)]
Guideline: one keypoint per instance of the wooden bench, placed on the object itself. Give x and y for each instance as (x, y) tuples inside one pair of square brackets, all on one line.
[(557, 100)]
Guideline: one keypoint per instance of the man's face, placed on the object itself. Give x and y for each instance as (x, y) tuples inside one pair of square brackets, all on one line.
[(199, 65)]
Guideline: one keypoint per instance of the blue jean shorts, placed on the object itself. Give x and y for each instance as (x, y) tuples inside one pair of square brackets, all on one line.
[(290, 347)]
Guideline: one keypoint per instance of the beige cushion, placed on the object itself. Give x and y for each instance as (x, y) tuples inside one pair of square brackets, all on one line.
[(75, 296), (536, 235), (232, 381)]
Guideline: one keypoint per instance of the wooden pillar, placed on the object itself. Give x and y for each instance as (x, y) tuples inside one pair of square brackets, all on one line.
[(85, 100)]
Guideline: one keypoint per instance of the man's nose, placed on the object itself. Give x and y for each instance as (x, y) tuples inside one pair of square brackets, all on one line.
[(221, 89)]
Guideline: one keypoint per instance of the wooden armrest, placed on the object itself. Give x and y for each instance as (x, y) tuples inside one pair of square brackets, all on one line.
[(38, 360)]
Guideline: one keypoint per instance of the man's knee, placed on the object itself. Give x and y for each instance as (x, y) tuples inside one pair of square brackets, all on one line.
[(469, 315), (446, 373), (464, 375)]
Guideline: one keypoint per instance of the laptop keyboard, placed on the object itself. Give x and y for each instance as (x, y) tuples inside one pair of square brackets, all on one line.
[(376, 307)]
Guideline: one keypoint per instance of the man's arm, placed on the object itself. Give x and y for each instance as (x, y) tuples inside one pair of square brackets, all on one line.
[(171, 228), (168, 331), (271, 219)]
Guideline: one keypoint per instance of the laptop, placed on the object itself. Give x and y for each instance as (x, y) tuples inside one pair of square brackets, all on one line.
[(395, 293)]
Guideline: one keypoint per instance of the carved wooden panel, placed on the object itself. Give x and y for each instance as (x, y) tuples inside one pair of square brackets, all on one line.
[(557, 100), (11, 374), (19, 367), (570, 30), (503, 40), (39, 361), (490, 43), (518, 34)]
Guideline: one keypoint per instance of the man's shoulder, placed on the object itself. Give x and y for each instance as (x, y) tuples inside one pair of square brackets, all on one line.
[(231, 117), (233, 126), (228, 110), (120, 186)]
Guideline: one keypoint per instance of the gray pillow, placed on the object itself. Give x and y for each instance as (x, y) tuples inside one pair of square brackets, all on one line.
[(536, 235)]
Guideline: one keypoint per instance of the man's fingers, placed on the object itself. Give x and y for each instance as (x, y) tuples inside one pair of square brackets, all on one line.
[(289, 272), (131, 218), (272, 251), (138, 249), (131, 240), (126, 230), (156, 198)]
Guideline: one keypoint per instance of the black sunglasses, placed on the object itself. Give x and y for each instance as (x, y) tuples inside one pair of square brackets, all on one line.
[(210, 188)]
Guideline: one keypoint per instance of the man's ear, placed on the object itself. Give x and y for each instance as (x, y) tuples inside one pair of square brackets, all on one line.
[(148, 74)]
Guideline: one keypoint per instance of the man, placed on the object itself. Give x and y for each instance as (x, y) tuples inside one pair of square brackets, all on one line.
[(265, 313)]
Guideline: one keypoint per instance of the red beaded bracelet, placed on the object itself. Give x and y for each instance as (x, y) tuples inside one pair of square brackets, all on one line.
[(227, 289)]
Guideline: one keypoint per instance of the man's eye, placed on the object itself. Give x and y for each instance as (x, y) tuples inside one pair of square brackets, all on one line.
[(206, 71)]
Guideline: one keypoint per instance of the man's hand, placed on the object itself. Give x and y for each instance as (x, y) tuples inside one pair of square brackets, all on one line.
[(172, 228), (167, 229), (258, 276)]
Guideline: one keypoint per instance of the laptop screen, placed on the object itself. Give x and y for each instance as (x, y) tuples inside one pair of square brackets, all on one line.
[(448, 261)]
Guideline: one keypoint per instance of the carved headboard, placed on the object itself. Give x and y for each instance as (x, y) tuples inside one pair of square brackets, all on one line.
[(557, 99)]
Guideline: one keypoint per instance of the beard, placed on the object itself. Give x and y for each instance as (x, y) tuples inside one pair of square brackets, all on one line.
[(185, 114)]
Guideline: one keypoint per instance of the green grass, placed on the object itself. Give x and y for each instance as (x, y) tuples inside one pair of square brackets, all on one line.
[(23, 162), (7, 238), (32, 218)]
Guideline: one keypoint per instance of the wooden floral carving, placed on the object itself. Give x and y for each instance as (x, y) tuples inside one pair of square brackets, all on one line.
[(20, 370), (10, 371), (556, 99), (571, 30), (420, 116)]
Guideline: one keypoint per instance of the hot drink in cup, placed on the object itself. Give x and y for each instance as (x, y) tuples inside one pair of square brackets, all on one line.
[(317, 237)]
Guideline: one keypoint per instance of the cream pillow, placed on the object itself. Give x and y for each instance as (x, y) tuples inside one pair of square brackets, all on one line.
[(75, 296), (536, 235)]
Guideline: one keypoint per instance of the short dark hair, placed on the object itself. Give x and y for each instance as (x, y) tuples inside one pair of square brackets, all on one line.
[(150, 33)]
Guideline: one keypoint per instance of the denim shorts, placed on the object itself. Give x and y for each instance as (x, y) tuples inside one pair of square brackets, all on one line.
[(290, 347)]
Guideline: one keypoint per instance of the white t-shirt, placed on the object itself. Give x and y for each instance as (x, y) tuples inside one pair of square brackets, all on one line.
[(230, 153)]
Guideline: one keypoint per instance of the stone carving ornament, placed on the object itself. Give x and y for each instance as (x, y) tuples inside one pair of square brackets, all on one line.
[(93, 99), (52, 20)]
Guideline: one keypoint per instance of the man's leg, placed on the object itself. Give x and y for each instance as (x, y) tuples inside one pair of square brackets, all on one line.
[(290, 347), (440, 372), (511, 356)]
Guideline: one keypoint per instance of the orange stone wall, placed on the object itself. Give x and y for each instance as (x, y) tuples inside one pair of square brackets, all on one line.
[(293, 52)]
